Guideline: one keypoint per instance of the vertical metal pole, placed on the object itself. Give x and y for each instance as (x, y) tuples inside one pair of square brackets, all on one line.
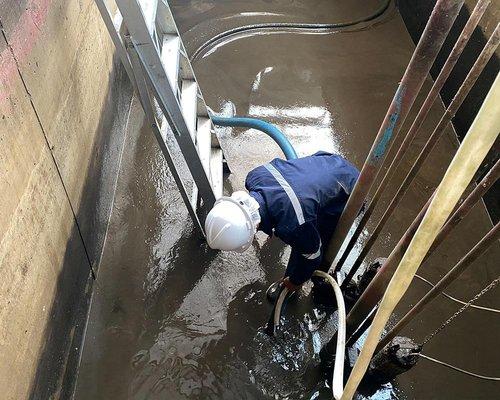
[(455, 104), (436, 30), (362, 328), (482, 187), (479, 249), (477, 143), (448, 66), (374, 291)]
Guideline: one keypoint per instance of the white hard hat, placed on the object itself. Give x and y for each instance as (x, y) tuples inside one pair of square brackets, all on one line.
[(232, 222)]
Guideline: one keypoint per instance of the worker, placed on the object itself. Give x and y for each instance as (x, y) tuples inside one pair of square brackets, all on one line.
[(299, 201)]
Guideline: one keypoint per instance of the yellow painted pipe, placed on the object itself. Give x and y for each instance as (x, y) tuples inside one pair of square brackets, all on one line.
[(478, 141)]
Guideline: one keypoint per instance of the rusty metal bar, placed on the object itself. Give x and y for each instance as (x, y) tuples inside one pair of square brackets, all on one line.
[(376, 288), (480, 248), (479, 140), (455, 104), (482, 187), (433, 94), (362, 329), (436, 30)]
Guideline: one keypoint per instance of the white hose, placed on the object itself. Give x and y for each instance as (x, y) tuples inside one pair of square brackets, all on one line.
[(277, 307), (338, 369)]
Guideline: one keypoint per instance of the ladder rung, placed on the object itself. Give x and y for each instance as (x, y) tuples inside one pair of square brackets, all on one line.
[(215, 140), (118, 21), (189, 99), (170, 58), (153, 38), (216, 173), (149, 8), (204, 142), (165, 19), (202, 108), (185, 66)]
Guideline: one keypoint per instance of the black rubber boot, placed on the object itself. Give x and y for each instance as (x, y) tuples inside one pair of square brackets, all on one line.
[(273, 291), (322, 293)]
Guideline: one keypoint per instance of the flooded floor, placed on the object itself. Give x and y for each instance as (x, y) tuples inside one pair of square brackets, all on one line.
[(171, 319)]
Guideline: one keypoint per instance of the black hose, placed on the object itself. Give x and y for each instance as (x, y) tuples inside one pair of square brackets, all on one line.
[(307, 27)]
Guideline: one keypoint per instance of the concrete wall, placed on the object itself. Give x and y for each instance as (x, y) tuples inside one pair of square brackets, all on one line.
[(64, 102)]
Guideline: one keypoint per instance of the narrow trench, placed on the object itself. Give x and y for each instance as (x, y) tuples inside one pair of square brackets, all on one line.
[(173, 319)]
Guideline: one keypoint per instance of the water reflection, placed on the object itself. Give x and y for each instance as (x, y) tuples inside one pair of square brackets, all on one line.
[(300, 123), (212, 345)]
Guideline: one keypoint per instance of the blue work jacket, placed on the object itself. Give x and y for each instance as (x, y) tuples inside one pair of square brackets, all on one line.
[(300, 202)]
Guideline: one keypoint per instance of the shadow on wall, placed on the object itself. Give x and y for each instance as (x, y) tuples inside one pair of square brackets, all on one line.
[(56, 370), (415, 15)]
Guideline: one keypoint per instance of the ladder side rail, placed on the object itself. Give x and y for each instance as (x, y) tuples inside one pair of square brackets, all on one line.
[(167, 25), (145, 99), (166, 22), (113, 25), (149, 9), (189, 150), (159, 83)]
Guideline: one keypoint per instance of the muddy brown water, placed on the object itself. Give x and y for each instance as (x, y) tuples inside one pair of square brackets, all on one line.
[(171, 319)]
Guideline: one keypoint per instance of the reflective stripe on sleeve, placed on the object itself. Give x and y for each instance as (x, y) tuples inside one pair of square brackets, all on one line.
[(343, 187), (313, 256), (289, 191)]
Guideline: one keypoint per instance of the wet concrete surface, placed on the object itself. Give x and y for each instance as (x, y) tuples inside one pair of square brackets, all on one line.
[(172, 319)]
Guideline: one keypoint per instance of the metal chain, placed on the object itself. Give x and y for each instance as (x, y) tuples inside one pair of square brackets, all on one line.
[(461, 310), (475, 307)]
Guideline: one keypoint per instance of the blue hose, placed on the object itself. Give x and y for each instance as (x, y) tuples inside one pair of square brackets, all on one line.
[(262, 126)]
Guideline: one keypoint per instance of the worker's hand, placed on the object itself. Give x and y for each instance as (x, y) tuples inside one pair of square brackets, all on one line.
[(290, 286)]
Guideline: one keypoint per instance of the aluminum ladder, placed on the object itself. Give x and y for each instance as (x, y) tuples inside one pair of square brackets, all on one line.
[(149, 46)]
